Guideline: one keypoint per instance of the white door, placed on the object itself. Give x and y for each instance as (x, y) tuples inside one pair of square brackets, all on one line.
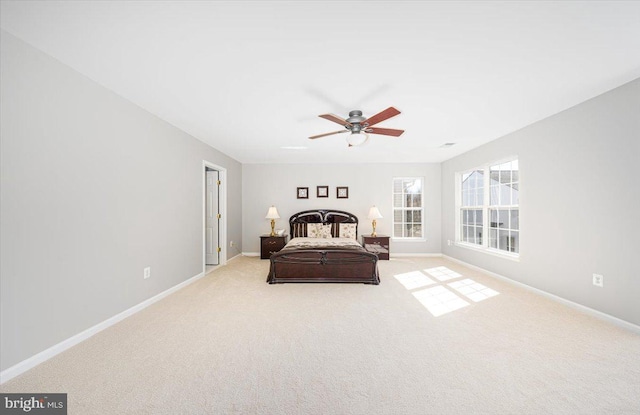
[(212, 219)]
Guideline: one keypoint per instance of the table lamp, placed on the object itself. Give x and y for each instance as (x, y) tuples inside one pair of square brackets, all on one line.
[(273, 215), (374, 214)]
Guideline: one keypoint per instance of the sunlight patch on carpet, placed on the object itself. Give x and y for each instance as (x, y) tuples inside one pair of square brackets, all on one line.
[(473, 290), (442, 273), (443, 297), (439, 300), (414, 279)]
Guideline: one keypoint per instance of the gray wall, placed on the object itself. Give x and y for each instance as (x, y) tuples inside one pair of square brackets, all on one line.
[(579, 199), (264, 185), (94, 189)]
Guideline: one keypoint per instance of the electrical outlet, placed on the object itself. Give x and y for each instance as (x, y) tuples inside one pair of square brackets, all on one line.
[(231, 243), (598, 280), (147, 272)]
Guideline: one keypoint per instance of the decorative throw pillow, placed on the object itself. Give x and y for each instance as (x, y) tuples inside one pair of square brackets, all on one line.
[(325, 231), (314, 230), (348, 230)]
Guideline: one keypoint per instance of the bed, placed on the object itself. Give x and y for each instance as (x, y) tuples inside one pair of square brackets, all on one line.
[(323, 248)]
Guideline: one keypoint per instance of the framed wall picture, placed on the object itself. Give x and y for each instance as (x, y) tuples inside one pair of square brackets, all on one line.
[(322, 191), (303, 192), (342, 192)]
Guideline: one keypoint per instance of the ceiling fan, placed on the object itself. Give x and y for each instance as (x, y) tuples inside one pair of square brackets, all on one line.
[(360, 127)]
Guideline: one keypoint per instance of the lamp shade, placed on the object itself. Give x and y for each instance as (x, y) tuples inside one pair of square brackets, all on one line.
[(272, 213), (374, 213), (357, 138)]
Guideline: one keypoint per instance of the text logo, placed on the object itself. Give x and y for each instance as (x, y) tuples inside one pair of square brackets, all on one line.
[(33, 403)]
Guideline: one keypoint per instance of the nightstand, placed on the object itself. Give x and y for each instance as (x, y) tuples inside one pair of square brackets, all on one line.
[(270, 244), (377, 244)]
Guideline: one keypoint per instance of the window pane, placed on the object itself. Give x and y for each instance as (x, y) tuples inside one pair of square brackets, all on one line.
[(480, 196), (478, 234), (473, 200), (408, 228), (417, 216), (493, 238), (412, 186), (493, 214), (408, 216), (505, 176), (503, 239), (503, 218), (505, 197), (407, 201), (515, 241), (397, 215), (495, 195), (515, 219), (397, 200), (397, 230), (417, 200), (478, 217)]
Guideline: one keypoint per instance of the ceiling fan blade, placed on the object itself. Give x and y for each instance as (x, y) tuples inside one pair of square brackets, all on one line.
[(381, 116), (326, 134), (385, 131), (334, 118)]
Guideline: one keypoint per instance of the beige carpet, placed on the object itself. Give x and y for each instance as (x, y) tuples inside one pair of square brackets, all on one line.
[(230, 343)]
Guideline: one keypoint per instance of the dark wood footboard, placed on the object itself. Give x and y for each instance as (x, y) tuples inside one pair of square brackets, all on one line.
[(324, 266)]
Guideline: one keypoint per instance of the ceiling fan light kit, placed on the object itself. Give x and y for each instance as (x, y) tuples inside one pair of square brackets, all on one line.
[(360, 127), (357, 138)]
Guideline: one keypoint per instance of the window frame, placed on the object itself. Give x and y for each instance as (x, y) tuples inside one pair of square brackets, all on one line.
[(486, 209), (393, 211)]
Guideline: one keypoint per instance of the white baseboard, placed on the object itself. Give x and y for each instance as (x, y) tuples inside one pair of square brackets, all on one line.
[(251, 254), (238, 255), (595, 313), (47, 354)]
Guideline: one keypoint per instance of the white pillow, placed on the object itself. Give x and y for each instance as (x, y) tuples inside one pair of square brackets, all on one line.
[(313, 230), (348, 230), (325, 231), (318, 230)]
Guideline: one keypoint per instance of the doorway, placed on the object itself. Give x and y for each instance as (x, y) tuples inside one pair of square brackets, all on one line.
[(214, 206)]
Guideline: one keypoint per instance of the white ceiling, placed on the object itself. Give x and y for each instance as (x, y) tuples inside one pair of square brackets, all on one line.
[(251, 77)]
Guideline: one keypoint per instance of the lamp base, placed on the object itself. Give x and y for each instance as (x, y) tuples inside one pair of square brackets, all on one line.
[(373, 224), (273, 224)]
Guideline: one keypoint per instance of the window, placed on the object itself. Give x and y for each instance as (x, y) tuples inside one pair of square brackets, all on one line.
[(471, 210), (488, 204), (407, 208), (504, 207)]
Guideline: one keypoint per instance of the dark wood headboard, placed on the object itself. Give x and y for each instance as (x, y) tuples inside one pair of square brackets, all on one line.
[(324, 216)]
